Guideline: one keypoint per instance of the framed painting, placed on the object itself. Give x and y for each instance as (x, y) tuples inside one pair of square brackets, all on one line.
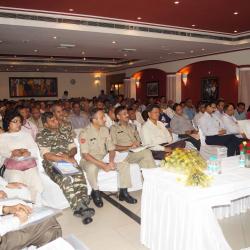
[(33, 87), (209, 89), (153, 89)]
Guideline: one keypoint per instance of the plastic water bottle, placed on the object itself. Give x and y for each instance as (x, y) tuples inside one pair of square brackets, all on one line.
[(214, 165), (242, 159)]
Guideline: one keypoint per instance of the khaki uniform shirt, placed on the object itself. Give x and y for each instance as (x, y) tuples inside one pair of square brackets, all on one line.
[(96, 142), (124, 135)]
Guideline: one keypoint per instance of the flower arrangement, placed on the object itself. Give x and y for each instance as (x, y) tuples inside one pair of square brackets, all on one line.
[(190, 165), (245, 146)]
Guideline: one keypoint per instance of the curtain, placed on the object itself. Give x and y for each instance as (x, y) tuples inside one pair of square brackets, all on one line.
[(244, 86), (129, 87), (171, 87)]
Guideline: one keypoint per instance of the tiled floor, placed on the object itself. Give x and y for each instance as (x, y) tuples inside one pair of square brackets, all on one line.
[(114, 230)]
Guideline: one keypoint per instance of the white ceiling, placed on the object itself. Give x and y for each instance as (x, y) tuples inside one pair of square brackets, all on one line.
[(21, 38)]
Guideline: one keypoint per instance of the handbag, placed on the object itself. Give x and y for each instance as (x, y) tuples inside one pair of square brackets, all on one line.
[(22, 165)]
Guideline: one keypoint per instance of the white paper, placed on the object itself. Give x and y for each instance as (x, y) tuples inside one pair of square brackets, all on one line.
[(66, 168)]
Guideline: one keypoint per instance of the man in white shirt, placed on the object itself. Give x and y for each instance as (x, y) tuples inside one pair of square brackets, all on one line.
[(215, 133), (110, 117), (220, 109), (11, 237), (240, 113), (230, 122), (133, 120), (201, 108)]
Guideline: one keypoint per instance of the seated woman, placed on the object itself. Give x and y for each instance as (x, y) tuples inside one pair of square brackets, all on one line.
[(155, 133), (182, 126), (19, 151)]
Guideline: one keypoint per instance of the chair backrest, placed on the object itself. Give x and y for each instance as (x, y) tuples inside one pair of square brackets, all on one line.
[(202, 137)]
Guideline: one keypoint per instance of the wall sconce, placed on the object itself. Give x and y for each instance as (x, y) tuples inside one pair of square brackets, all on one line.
[(237, 73), (137, 83), (97, 78), (185, 78)]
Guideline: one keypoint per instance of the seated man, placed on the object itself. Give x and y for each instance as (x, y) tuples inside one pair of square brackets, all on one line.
[(156, 134), (240, 113), (11, 237), (183, 127), (95, 143), (230, 122), (125, 136), (201, 111), (56, 146), (77, 118), (215, 132), (132, 119), (36, 118)]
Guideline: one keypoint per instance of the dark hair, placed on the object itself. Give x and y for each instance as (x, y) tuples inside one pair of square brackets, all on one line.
[(130, 109), (45, 116), (176, 105), (209, 104), (144, 115), (150, 107), (241, 104), (66, 92), (248, 110), (227, 106), (119, 109), (8, 117), (75, 103), (219, 101), (93, 112)]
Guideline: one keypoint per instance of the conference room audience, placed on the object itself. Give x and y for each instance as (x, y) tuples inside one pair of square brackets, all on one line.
[(240, 113), (215, 133)]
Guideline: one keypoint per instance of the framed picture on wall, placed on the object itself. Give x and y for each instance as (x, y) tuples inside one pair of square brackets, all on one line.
[(209, 89), (153, 89), (33, 87)]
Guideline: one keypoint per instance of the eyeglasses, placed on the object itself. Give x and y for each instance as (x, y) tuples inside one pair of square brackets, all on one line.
[(16, 121)]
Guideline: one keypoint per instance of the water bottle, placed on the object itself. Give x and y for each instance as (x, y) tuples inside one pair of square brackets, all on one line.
[(214, 166), (242, 159)]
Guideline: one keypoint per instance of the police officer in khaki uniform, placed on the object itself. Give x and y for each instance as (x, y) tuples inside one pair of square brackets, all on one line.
[(125, 136), (95, 143)]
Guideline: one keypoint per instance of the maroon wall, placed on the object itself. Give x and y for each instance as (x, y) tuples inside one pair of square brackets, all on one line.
[(224, 71), (150, 75)]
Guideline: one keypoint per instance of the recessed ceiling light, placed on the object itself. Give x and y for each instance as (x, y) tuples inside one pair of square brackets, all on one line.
[(83, 52), (84, 59), (114, 42), (202, 49), (7, 69), (54, 37), (235, 31), (51, 57), (35, 50), (11, 66), (139, 18), (236, 13), (1, 41), (71, 10), (193, 25), (176, 2), (130, 63), (191, 51), (37, 69), (125, 55)]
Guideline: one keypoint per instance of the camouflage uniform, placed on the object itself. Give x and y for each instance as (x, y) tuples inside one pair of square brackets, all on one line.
[(74, 187)]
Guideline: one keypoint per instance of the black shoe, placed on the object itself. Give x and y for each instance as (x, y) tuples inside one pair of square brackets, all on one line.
[(124, 196), (97, 199), (87, 220), (84, 212)]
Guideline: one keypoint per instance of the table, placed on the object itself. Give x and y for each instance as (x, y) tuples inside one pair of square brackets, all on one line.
[(176, 217)]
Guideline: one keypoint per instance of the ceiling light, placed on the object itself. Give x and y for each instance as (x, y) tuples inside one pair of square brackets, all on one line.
[(179, 52), (37, 69), (139, 18), (54, 37), (193, 25), (67, 45), (51, 57), (235, 31), (176, 2), (202, 49), (35, 50), (114, 42), (191, 51), (236, 13), (125, 55), (11, 66), (71, 10), (83, 52), (130, 63), (7, 69), (25, 41), (84, 59), (1, 41)]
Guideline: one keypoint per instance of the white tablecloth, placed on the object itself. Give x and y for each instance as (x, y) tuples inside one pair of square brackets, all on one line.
[(175, 217)]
